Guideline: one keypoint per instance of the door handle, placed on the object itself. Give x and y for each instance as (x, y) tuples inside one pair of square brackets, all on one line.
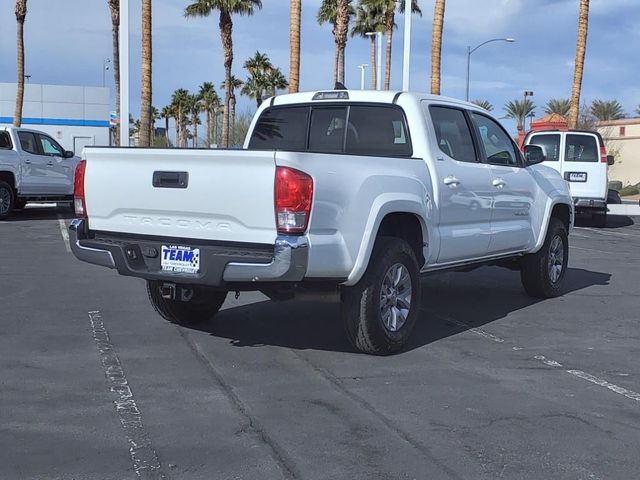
[(50, 164), (451, 181), (499, 183), (27, 162)]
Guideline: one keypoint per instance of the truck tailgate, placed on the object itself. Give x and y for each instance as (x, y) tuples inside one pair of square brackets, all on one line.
[(222, 195)]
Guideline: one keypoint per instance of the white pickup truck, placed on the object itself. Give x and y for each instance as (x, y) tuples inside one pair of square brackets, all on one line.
[(354, 192), (33, 168)]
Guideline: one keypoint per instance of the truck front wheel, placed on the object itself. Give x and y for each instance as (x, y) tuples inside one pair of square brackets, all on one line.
[(6, 200), (542, 272), (186, 305), (379, 312)]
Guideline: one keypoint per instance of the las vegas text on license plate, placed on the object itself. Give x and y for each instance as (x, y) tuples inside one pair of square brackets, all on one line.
[(180, 259)]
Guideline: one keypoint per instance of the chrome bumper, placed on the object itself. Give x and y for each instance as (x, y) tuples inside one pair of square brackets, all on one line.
[(77, 233), (288, 263)]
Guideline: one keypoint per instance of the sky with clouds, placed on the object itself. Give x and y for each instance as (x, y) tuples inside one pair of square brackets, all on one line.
[(68, 40)]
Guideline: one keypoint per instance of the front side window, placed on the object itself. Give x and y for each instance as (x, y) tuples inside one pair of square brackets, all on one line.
[(550, 142), (453, 134), (498, 146), (28, 142), (50, 146), (581, 148), (327, 131), (281, 129), (374, 130)]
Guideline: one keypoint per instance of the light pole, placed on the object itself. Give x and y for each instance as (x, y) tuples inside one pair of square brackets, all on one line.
[(105, 68), (378, 57), (407, 47), (362, 68), (124, 73), (471, 50), (527, 93)]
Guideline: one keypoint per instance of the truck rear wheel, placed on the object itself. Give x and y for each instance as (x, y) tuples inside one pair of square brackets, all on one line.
[(379, 312), (191, 305), (542, 272), (6, 200)]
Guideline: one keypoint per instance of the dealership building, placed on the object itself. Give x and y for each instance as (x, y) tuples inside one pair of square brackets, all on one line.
[(75, 116)]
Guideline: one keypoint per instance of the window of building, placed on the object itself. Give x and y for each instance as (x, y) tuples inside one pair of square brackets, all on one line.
[(623, 131)]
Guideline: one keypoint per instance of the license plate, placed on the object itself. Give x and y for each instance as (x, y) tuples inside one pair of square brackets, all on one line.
[(577, 176), (180, 259)]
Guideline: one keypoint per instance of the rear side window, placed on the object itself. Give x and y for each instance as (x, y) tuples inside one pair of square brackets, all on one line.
[(551, 144), (581, 148), (453, 134), (281, 129), (5, 141), (327, 130), (377, 131), (28, 142)]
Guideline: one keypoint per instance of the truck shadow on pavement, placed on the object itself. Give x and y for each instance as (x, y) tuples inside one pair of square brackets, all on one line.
[(613, 221), (37, 212), (451, 304)]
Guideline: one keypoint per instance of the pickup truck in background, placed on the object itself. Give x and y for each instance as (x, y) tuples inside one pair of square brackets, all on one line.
[(580, 156), (353, 192), (33, 168)]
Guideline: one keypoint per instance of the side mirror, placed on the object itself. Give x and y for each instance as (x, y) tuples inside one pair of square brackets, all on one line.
[(68, 154), (534, 154), (611, 160)]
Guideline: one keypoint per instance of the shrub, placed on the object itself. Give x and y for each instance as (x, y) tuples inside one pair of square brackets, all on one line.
[(615, 185), (629, 190)]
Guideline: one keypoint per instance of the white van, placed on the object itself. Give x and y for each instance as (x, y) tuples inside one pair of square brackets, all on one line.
[(581, 158)]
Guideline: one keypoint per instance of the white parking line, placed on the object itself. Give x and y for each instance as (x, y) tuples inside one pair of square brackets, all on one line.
[(608, 233), (64, 233), (547, 361)]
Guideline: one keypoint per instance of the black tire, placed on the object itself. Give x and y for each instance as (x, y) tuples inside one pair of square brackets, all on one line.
[(536, 271), (7, 200), (202, 306), (362, 304), (600, 219)]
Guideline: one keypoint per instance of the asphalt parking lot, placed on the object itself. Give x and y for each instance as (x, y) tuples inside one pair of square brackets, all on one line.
[(495, 385)]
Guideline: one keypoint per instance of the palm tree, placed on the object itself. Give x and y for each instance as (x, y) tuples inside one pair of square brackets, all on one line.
[(259, 63), (275, 80), (436, 46), (155, 116), (167, 113), (581, 49), (194, 107), (235, 84), (344, 11), (328, 13), (519, 110), (21, 15), (638, 110), (560, 106), (483, 104), (369, 18), (204, 8), (146, 95), (294, 45), (114, 7), (180, 107), (607, 110), (389, 7), (255, 87), (210, 104)]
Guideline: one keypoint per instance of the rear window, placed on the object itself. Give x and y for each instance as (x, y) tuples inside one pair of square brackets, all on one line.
[(354, 129), (28, 142), (5, 140), (581, 148), (281, 129), (551, 144)]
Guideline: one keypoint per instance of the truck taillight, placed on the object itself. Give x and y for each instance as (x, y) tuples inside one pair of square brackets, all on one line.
[(294, 194), (78, 190), (603, 155)]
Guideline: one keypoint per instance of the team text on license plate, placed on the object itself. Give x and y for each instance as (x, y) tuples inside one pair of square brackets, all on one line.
[(577, 176), (180, 259)]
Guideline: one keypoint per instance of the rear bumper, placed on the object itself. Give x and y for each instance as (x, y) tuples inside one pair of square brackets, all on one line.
[(220, 264), (590, 203)]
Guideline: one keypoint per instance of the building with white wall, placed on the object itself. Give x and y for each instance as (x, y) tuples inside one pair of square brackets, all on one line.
[(622, 138), (75, 116)]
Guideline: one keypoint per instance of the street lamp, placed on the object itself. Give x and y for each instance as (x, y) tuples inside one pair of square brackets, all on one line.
[(407, 47), (362, 69), (105, 67), (471, 50), (379, 57)]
